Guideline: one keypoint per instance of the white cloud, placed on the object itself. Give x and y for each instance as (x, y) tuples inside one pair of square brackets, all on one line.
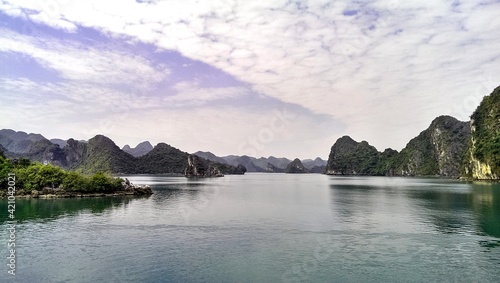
[(89, 64), (387, 63), (53, 22), (190, 93)]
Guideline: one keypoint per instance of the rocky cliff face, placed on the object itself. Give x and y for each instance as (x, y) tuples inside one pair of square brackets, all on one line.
[(348, 157), (483, 154), (198, 167), (19, 142), (437, 151), (32, 146), (75, 151)]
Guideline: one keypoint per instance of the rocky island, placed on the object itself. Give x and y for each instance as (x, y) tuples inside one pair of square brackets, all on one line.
[(127, 189), (101, 154), (22, 178), (296, 167), (448, 148), (197, 168)]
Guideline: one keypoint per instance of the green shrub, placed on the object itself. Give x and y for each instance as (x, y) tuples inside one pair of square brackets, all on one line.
[(36, 176)]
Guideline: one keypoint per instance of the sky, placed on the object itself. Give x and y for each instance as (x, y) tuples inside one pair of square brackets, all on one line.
[(259, 78)]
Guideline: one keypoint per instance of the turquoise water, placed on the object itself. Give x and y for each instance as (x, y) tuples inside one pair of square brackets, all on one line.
[(263, 228)]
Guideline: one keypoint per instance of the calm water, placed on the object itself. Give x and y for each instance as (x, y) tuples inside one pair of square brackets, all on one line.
[(264, 228)]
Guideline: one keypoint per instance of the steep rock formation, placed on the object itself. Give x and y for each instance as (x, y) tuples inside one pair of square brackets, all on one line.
[(483, 154), (32, 146), (75, 151), (439, 150), (225, 168), (198, 167), (19, 142), (163, 159), (348, 157), (295, 167), (102, 154), (387, 162)]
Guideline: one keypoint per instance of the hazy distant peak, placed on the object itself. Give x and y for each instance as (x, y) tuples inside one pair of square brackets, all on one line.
[(62, 143), (140, 150)]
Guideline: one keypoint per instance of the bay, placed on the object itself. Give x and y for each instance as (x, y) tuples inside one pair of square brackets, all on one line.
[(263, 228)]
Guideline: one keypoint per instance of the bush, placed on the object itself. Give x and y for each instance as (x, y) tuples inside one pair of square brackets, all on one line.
[(102, 183), (36, 176), (75, 182)]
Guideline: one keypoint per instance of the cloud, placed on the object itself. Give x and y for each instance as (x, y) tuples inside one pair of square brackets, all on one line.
[(191, 93), (222, 129), (74, 61), (52, 22), (386, 68)]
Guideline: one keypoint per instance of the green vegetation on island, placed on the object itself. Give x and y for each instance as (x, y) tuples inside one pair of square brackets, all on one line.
[(296, 167), (101, 154), (437, 151), (483, 156), (448, 148), (34, 177)]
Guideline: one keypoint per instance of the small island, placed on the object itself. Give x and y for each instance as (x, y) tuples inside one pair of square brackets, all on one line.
[(36, 180)]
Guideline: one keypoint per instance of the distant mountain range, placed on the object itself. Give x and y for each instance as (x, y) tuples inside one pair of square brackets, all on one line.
[(447, 148), (101, 154), (270, 164), (140, 150)]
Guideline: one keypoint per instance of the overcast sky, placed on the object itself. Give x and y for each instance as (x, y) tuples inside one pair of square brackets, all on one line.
[(282, 78)]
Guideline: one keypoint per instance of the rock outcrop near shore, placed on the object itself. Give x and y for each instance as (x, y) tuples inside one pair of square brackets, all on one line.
[(198, 167)]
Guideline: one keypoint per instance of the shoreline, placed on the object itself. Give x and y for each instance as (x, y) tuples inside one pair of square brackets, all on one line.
[(77, 195), (128, 189)]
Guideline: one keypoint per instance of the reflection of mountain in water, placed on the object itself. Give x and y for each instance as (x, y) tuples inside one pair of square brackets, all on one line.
[(477, 209), (50, 209), (486, 204), (449, 206)]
